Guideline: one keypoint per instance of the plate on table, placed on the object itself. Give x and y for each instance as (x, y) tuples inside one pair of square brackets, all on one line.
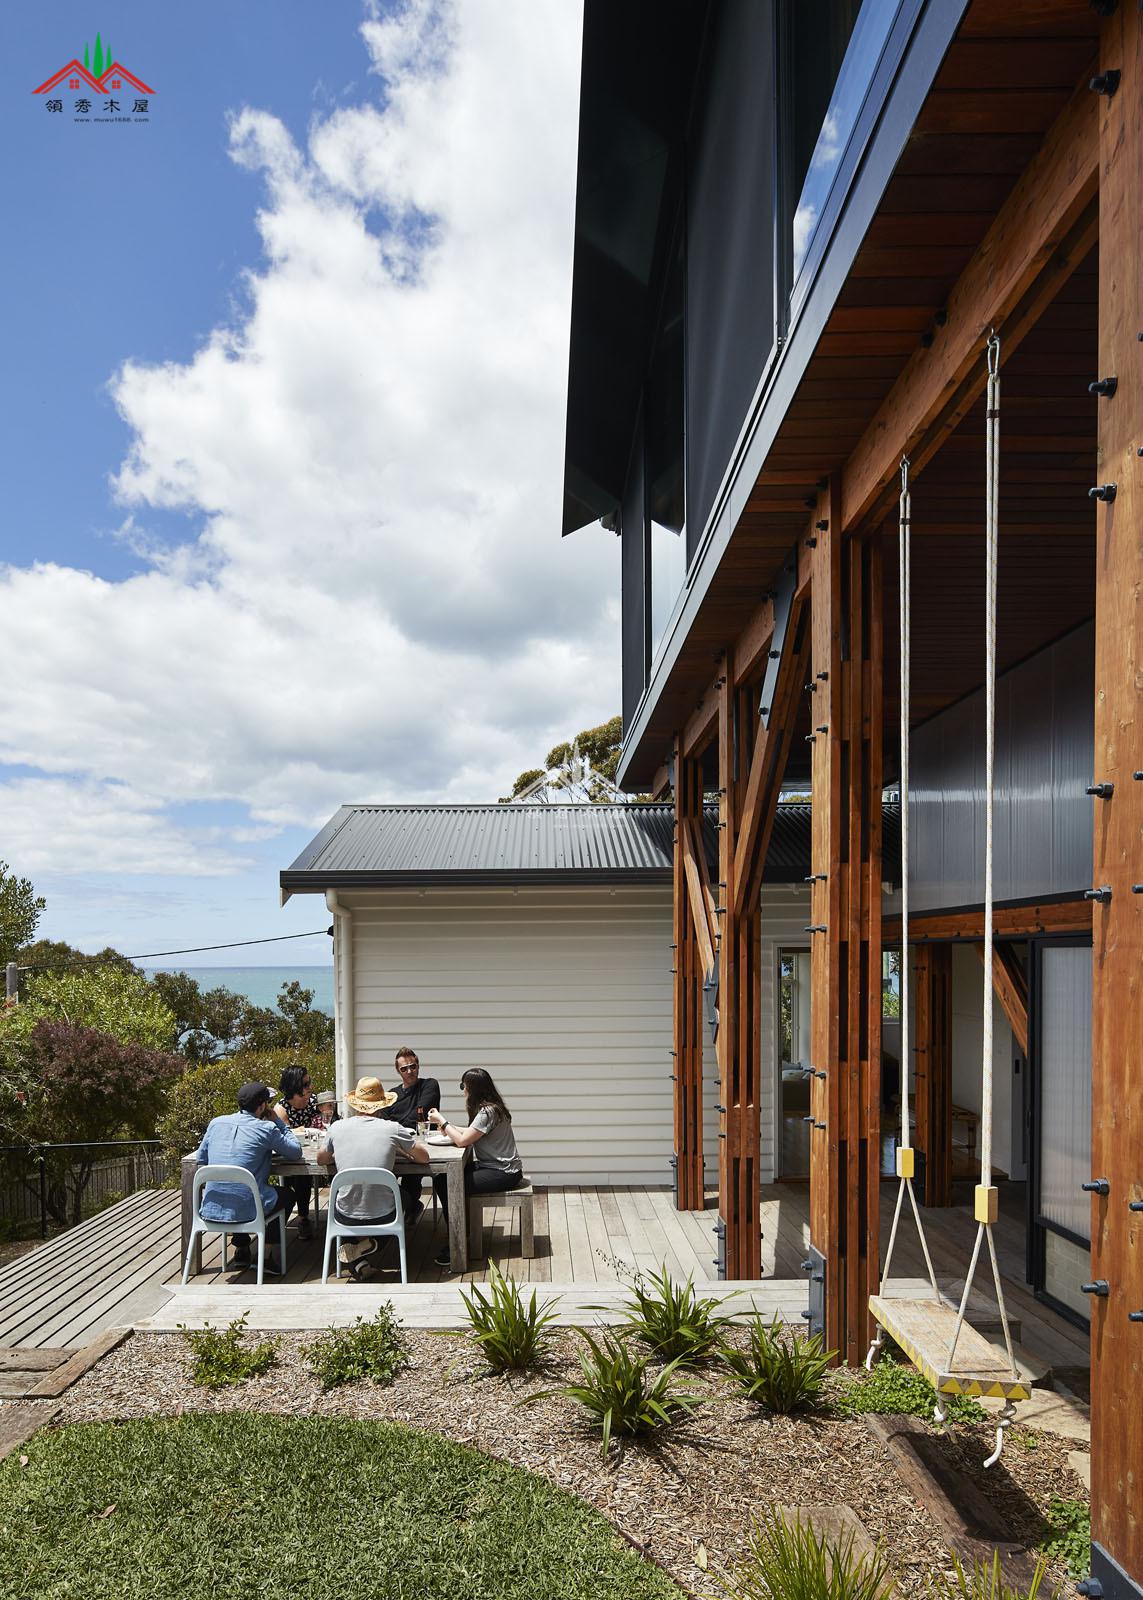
[(437, 1138)]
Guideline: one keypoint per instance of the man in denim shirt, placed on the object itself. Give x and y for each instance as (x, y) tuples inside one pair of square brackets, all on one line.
[(250, 1138)]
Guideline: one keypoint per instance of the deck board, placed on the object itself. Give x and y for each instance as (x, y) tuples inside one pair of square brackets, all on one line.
[(121, 1266)]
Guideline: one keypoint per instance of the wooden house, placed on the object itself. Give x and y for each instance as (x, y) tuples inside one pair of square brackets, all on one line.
[(798, 225)]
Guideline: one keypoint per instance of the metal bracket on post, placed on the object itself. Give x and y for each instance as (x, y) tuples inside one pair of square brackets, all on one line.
[(783, 602), (719, 1231), (815, 1265), (1109, 1579)]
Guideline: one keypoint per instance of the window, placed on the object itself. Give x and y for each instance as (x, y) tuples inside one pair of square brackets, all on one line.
[(665, 456), (891, 985), (828, 54)]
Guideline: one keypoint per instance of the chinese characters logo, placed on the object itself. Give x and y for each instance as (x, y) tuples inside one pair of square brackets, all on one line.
[(102, 88)]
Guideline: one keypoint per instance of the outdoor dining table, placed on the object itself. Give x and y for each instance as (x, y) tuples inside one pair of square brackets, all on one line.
[(443, 1158)]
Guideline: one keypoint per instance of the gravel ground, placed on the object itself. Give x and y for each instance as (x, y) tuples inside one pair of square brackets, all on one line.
[(699, 1486)]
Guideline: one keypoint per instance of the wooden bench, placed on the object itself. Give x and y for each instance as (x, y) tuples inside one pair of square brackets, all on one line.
[(522, 1196)]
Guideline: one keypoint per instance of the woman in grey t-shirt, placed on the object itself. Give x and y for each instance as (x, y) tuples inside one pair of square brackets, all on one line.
[(496, 1164)]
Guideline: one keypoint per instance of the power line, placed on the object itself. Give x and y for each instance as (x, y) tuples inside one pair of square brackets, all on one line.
[(190, 950)]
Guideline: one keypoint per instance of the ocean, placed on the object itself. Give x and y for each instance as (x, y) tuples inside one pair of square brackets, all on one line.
[(260, 985)]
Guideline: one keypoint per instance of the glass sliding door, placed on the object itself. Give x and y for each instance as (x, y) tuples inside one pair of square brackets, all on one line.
[(1061, 1211), (793, 1060)]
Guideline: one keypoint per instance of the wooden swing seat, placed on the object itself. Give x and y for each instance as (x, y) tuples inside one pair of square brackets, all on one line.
[(924, 1330)]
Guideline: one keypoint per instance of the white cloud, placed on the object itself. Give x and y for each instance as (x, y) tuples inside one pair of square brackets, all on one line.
[(108, 828), (375, 602)]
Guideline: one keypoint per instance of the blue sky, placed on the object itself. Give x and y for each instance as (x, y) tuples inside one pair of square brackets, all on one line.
[(281, 439), (131, 241)]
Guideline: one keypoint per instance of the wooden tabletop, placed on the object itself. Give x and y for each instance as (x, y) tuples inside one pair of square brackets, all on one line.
[(441, 1158)]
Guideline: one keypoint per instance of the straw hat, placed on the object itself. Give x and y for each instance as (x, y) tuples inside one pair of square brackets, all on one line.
[(370, 1096)]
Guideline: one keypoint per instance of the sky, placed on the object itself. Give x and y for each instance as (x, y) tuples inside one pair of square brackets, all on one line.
[(281, 434)]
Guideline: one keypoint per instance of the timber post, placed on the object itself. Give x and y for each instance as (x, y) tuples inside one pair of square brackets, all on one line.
[(845, 952), (688, 992), (1117, 932)]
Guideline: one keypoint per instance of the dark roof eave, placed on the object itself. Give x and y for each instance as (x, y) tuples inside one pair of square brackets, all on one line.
[(514, 877)]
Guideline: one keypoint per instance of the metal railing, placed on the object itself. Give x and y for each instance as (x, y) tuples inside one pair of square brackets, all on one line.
[(28, 1170)]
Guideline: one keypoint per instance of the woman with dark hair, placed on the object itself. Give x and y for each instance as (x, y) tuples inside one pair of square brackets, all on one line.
[(298, 1108), (496, 1164)]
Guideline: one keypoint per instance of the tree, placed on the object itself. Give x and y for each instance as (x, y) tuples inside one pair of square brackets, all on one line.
[(88, 1087), (207, 1023), (20, 908), (87, 56), (117, 1001), (55, 953), (582, 770), (295, 1025), (98, 56)]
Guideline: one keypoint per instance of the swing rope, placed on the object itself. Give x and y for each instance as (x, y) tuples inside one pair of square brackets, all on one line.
[(904, 556), (921, 1328), (985, 1194)]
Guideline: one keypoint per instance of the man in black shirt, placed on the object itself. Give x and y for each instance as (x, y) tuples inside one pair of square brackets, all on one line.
[(416, 1097)]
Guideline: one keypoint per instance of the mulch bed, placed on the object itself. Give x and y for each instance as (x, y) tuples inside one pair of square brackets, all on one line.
[(698, 1485)]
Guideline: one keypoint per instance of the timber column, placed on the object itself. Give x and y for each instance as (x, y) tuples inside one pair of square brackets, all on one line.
[(1117, 931), (688, 987), (845, 960), (736, 1041)]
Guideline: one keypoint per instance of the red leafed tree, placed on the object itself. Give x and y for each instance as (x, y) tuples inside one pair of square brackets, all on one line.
[(90, 1087)]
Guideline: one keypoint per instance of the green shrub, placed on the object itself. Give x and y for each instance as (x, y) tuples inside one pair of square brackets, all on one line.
[(212, 1090), (985, 1582), (221, 1359), (785, 1372), (673, 1320), (622, 1393), (893, 1387), (788, 1559), (376, 1350), (511, 1331), (1070, 1541), (113, 1000)]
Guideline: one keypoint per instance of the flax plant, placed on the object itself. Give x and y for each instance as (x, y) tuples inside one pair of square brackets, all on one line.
[(511, 1331)]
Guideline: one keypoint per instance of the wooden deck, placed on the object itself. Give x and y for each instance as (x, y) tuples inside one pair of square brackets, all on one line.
[(122, 1266)]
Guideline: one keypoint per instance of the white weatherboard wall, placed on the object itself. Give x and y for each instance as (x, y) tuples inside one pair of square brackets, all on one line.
[(563, 994)]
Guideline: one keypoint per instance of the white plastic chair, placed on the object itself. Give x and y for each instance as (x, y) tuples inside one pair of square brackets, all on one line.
[(376, 1178), (257, 1225)]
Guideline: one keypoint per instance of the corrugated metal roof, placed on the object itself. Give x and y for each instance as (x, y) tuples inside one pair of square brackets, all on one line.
[(453, 842), (369, 845)]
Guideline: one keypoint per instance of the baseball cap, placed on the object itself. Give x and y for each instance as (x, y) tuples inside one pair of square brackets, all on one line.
[(252, 1095)]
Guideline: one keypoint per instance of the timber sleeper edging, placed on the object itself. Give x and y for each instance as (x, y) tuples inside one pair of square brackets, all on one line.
[(969, 1523), (79, 1363)]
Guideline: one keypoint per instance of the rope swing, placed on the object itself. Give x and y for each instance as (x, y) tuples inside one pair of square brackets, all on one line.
[(922, 1327)]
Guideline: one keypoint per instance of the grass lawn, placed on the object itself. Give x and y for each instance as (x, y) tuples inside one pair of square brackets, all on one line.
[(255, 1507)]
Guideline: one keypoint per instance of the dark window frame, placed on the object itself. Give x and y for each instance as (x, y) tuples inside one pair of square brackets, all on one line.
[(1037, 1225), (790, 292)]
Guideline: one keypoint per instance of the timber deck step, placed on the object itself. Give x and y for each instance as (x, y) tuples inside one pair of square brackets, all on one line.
[(278, 1306)]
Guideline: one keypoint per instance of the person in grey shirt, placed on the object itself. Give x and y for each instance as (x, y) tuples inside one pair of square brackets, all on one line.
[(366, 1139), (496, 1164)]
